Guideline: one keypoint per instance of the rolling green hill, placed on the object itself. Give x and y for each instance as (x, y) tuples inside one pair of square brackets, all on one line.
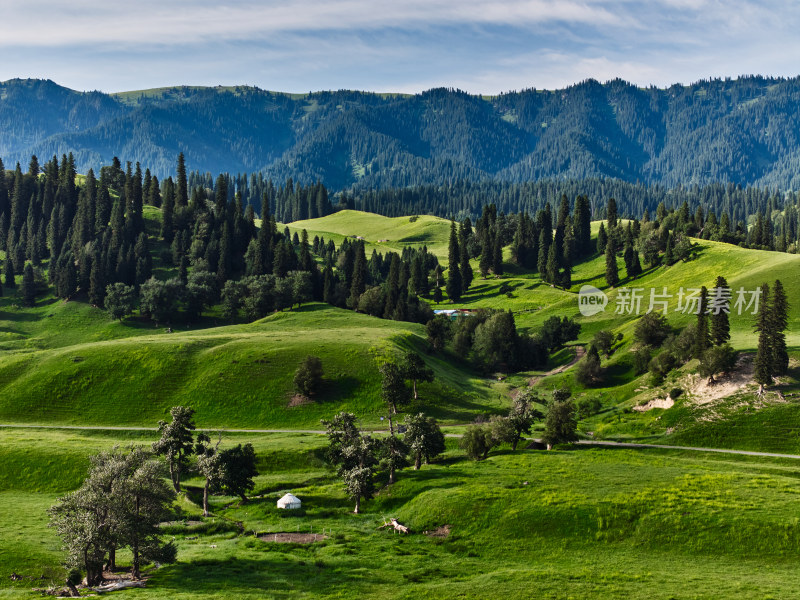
[(384, 234), (80, 369)]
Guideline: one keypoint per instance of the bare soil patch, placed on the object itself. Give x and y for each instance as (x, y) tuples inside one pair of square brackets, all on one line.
[(702, 392), (439, 532), (299, 400), (655, 403), (293, 538)]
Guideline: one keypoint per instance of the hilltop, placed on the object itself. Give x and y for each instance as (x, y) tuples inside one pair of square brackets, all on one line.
[(616, 130)]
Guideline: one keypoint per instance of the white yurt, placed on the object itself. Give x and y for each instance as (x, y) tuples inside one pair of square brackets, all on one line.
[(289, 501)]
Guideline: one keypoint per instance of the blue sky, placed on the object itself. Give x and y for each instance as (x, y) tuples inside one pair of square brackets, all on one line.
[(406, 45)]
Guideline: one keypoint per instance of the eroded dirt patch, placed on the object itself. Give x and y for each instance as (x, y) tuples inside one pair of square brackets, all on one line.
[(439, 532)]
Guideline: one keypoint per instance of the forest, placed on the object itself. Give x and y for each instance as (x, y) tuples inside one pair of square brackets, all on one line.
[(743, 131)]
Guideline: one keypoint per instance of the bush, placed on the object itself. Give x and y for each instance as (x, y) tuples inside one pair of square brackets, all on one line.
[(560, 426), (308, 376), (477, 441), (556, 332), (589, 371), (641, 360), (651, 329), (717, 359), (675, 392)]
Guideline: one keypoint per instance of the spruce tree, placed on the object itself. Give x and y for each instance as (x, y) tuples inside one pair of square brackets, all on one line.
[(497, 255), (702, 338), (582, 226), (720, 326), (545, 241), (9, 272), (779, 313), (464, 266), (454, 279), (612, 273), (611, 213), (764, 353), (551, 270), (602, 239), (182, 191), (28, 286), (358, 279)]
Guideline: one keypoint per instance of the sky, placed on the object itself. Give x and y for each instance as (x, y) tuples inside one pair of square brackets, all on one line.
[(480, 46)]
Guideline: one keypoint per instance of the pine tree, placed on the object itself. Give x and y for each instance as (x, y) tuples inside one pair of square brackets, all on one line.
[(182, 191), (497, 255), (582, 226), (545, 241), (764, 352), (551, 269), (612, 273), (358, 279), (602, 239), (9, 272), (611, 213), (702, 338), (464, 266), (779, 320), (28, 286), (454, 280), (720, 326)]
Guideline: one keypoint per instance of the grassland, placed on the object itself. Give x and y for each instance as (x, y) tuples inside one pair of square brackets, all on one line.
[(385, 234), (582, 523)]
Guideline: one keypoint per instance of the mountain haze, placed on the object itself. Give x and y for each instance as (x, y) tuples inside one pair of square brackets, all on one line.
[(745, 131)]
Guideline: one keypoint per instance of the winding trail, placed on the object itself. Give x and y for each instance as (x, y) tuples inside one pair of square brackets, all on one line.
[(579, 352), (607, 444)]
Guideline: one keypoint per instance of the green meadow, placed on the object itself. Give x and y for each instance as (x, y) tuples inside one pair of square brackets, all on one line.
[(576, 523)]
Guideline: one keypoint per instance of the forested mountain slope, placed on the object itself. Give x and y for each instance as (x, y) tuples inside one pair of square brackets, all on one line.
[(744, 131)]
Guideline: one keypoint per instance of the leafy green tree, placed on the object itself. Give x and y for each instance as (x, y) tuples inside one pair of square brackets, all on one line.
[(414, 369), (119, 300), (438, 330), (308, 376), (176, 442), (522, 415), (589, 371), (424, 437), (604, 341), (393, 455), (160, 299), (238, 466), (394, 391), (477, 441), (209, 465), (651, 329), (717, 359), (355, 455), (560, 425)]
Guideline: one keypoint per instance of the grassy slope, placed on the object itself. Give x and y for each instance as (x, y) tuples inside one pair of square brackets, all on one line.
[(399, 231), (577, 524)]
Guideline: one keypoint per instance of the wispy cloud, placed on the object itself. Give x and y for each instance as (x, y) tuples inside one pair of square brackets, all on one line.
[(482, 46)]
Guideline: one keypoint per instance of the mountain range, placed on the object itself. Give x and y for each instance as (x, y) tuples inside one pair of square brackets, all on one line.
[(745, 131)]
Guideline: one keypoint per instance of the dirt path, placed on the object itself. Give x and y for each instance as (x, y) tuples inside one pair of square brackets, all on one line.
[(579, 352)]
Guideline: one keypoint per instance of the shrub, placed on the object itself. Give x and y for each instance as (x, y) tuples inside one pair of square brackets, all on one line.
[(560, 426), (651, 329), (641, 360), (675, 392), (477, 441), (308, 376), (589, 371)]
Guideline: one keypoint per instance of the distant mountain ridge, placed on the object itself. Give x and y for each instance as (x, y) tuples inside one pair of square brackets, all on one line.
[(745, 131)]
